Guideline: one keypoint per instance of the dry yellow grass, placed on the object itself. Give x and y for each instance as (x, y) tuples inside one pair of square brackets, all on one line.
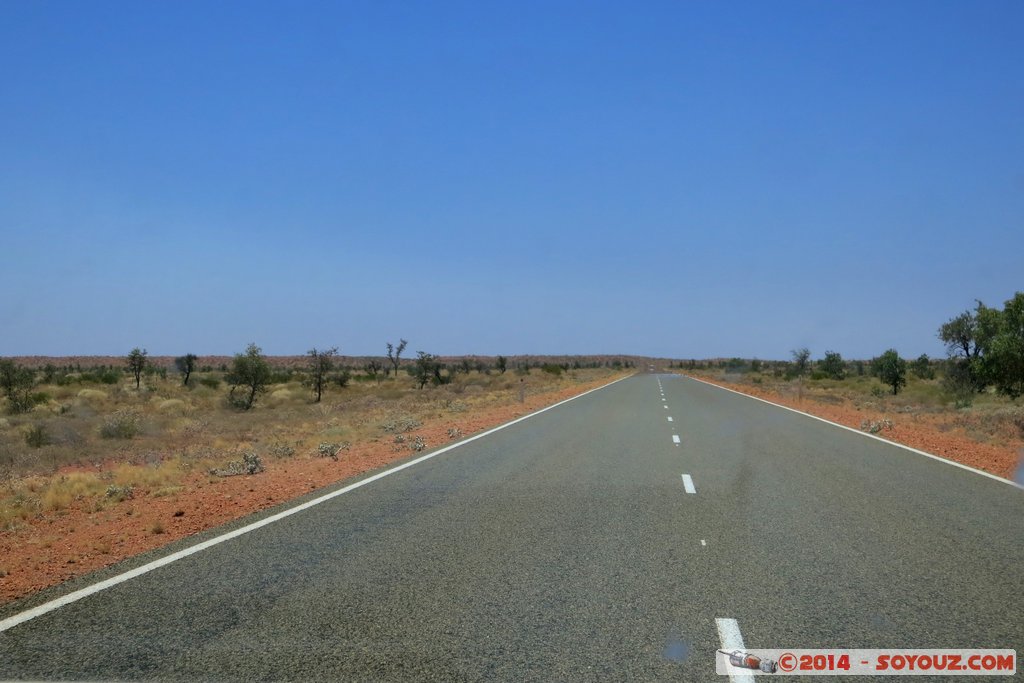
[(182, 430)]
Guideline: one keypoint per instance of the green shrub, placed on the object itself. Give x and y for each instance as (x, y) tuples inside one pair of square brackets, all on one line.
[(209, 382), (922, 367), (552, 369)]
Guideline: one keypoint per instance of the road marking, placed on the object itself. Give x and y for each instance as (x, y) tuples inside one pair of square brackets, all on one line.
[(731, 638), (662, 398), (675, 438), (871, 436), (75, 596), (703, 542), (688, 484), (669, 418), (665, 407)]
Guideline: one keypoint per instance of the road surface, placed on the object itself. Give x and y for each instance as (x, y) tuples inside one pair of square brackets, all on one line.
[(570, 546)]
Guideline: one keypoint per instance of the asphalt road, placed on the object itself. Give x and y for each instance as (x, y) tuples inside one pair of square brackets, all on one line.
[(567, 547)]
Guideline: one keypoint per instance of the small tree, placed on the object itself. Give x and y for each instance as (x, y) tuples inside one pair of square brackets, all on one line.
[(922, 367), (801, 358), (185, 364), (320, 365), (17, 383), (373, 369), (502, 364), (892, 370), (426, 368), (395, 353), (137, 364), (250, 372), (833, 365)]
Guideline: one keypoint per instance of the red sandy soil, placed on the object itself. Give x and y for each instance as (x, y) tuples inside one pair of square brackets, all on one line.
[(55, 547), (927, 432)]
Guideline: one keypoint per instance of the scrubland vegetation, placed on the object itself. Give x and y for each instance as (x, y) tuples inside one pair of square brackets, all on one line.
[(101, 435), (976, 388)]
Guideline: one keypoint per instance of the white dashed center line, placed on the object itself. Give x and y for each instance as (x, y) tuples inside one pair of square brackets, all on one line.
[(688, 484), (669, 419), (675, 438)]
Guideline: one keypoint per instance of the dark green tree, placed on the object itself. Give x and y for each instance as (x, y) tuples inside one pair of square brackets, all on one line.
[(502, 364), (892, 370), (137, 363), (17, 383), (185, 364), (249, 372), (425, 368), (832, 365)]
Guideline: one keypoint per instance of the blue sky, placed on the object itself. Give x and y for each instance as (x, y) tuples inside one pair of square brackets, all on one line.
[(680, 179)]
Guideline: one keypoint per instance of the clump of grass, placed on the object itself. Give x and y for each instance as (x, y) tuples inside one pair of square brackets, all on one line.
[(396, 425), (454, 433), (418, 444), (875, 426), (60, 492), (457, 406), (249, 464), (167, 491), (119, 493), (331, 450), (92, 395), (171, 405), (122, 424), (279, 449), (156, 528)]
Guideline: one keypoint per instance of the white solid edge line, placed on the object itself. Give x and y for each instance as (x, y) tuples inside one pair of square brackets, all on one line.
[(688, 484), (870, 436), (74, 596), (731, 638)]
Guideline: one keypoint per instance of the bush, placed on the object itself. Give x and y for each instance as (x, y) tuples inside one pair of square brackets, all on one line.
[(249, 464), (210, 382), (400, 424), (959, 382), (922, 367), (120, 493), (36, 436), (122, 424), (832, 366), (331, 450), (552, 369)]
